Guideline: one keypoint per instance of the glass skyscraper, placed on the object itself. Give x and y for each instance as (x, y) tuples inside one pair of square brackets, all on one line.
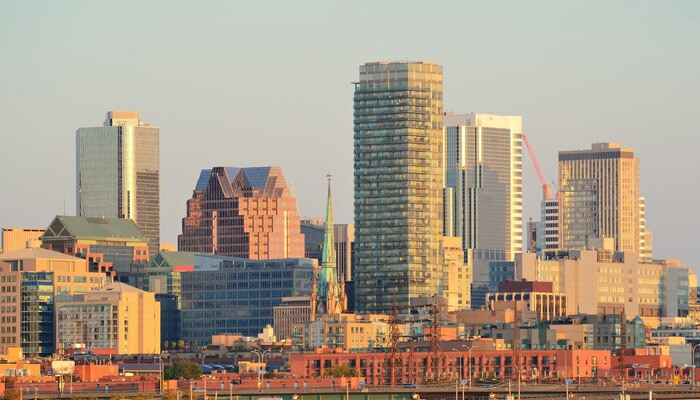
[(483, 187), (398, 183), (118, 173)]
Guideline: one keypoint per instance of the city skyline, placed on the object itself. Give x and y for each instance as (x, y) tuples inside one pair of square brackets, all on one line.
[(612, 97)]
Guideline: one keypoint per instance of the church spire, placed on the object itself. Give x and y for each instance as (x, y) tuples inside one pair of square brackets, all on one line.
[(330, 296)]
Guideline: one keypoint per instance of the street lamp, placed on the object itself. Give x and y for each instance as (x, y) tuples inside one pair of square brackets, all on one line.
[(469, 369), (692, 353), (160, 363), (261, 355)]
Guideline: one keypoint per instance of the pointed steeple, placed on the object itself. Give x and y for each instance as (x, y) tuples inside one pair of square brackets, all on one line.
[(330, 296)]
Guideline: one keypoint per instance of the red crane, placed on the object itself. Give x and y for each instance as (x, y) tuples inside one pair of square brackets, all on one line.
[(546, 189)]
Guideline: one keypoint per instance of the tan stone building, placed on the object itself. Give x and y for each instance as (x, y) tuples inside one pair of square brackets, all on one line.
[(33, 280), (606, 282), (118, 317), (599, 197), (17, 238), (457, 275)]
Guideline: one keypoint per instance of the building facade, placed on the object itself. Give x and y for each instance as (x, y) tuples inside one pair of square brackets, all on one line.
[(292, 311), (112, 246), (118, 172), (344, 234), (548, 227), (237, 295), (17, 238), (599, 197), (163, 274), (538, 297), (398, 183), (242, 212), (32, 282), (500, 364), (606, 282), (117, 318), (483, 186), (457, 275)]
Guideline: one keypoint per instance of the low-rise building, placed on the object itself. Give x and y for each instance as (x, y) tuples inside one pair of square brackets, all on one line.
[(292, 311), (113, 246), (342, 331), (414, 367), (117, 317), (17, 238), (32, 281), (538, 297)]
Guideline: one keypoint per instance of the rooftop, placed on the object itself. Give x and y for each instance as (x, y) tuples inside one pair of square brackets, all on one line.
[(94, 228), (34, 253)]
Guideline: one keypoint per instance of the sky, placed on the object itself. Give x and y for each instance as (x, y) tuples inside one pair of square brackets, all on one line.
[(269, 83)]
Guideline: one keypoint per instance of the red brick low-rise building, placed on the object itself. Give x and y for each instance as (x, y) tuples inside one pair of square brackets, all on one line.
[(418, 367)]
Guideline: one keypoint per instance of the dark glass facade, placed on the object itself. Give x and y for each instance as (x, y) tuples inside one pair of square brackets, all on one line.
[(235, 295), (37, 313), (169, 318)]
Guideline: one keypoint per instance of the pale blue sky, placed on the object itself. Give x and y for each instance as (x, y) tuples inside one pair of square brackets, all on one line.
[(260, 83)]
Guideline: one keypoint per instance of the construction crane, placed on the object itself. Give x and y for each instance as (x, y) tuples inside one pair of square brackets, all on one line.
[(546, 189)]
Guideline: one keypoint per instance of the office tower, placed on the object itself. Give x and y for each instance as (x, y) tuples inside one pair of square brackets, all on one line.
[(398, 183), (118, 173), (113, 246), (32, 281), (344, 234), (599, 197), (117, 318), (242, 212), (330, 294), (645, 236), (483, 186), (242, 293), (17, 238)]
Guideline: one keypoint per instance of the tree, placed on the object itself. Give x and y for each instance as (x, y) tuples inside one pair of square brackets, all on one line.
[(340, 371), (181, 344), (182, 369), (165, 345), (196, 344)]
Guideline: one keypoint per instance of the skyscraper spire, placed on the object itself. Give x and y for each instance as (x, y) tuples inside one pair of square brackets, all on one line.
[(330, 296)]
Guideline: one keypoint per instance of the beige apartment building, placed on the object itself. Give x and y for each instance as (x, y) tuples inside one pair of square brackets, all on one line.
[(17, 238), (33, 280), (599, 197), (117, 317), (607, 282), (456, 276)]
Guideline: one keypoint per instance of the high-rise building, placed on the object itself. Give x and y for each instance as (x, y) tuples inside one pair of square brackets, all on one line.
[(32, 281), (398, 183), (17, 238), (483, 186), (118, 172), (242, 212), (599, 197)]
